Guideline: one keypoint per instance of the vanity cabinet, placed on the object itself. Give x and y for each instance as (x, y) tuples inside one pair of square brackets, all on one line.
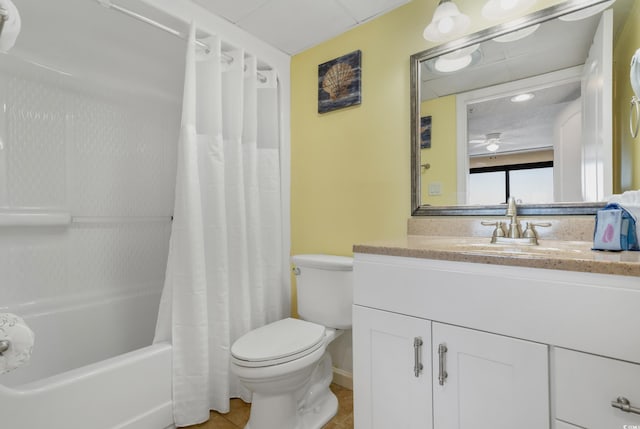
[(414, 373), (521, 347), (393, 358), (488, 381)]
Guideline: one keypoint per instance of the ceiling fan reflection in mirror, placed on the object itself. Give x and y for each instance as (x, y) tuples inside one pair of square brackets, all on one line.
[(491, 143)]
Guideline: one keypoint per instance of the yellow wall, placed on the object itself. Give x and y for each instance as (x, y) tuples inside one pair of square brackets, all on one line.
[(350, 168), (441, 157), (627, 162)]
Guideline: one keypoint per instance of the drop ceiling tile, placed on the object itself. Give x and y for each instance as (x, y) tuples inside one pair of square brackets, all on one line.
[(293, 26), (362, 10), (232, 10)]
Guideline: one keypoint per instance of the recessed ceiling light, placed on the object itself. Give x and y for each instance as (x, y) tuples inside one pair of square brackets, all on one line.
[(522, 97)]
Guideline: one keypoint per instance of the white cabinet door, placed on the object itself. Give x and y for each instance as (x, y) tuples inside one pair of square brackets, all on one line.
[(492, 381), (389, 391), (586, 385)]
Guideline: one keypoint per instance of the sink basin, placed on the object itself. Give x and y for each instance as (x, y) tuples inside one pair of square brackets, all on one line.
[(545, 249), (505, 249)]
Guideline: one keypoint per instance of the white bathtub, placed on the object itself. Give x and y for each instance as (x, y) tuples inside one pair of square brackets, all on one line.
[(92, 367)]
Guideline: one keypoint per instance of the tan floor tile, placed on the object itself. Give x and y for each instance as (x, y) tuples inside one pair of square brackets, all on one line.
[(239, 413), (216, 421)]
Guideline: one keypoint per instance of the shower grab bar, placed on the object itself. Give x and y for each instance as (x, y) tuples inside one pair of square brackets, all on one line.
[(120, 219), (109, 5), (35, 218)]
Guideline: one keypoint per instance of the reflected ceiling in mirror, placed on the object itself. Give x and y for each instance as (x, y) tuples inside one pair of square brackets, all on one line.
[(545, 57)]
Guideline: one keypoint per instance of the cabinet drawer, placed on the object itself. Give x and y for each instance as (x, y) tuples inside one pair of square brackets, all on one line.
[(585, 386)]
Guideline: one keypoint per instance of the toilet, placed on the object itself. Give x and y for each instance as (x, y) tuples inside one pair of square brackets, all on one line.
[(285, 363)]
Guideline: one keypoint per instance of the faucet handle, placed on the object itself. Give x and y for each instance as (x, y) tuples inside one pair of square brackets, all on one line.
[(530, 230), (498, 231)]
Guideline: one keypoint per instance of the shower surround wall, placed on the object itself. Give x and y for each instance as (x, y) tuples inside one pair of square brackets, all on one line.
[(103, 155)]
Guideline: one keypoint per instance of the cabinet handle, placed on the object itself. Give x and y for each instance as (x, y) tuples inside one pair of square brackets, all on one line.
[(417, 358), (623, 404), (442, 359)]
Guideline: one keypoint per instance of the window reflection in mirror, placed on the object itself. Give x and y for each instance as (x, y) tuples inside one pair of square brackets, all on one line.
[(521, 101)]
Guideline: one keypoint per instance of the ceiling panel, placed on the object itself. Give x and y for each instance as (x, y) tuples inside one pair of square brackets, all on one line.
[(362, 10), (296, 25), (231, 10)]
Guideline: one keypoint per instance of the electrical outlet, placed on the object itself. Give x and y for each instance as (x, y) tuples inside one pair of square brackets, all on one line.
[(435, 188)]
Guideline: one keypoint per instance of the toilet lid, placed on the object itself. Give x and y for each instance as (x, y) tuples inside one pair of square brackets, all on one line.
[(277, 342)]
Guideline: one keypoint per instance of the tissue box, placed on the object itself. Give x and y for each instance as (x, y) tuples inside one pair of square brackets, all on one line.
[(615, 229)]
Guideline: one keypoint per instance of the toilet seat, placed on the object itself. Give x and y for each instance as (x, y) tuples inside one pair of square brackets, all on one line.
[(278, 342)]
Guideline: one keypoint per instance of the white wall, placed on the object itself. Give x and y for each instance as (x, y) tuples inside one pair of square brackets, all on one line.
[(105, 157)]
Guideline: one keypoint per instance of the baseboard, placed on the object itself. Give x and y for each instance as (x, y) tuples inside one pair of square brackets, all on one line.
[(343, 378)]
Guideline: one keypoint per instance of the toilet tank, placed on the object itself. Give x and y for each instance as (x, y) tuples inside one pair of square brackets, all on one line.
[(325, 289)]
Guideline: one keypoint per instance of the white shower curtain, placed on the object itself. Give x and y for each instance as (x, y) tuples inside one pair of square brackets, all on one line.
[(225, 273)]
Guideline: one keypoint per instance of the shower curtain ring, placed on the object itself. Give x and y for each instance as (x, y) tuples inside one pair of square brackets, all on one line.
[(635, 102)]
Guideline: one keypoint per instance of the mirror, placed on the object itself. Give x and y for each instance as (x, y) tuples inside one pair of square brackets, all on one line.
[(518, 109)]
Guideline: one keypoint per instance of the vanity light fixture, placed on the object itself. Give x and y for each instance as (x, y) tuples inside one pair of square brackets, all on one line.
[(499, 9), (517, 35), (449, 65), (457, 60), (447, 22), (587, 12), (522, 97)]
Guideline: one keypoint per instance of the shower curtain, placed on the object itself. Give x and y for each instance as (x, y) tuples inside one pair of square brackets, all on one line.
[(225, 272)]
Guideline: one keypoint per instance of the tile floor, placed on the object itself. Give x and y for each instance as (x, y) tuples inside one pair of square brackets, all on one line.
[(239, 414)]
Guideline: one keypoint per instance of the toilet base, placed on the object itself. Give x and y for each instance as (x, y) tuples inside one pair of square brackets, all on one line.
[(309, 407), (321, 414), (288, 418)]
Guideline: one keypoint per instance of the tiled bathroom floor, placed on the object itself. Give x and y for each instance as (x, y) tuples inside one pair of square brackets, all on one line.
[(239, 414)]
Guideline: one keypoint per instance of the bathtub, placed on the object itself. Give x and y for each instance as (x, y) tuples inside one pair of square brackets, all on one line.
[(92, 367)]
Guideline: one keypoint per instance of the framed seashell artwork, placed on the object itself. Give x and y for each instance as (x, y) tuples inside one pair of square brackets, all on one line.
[(425, 132), (339, 82)]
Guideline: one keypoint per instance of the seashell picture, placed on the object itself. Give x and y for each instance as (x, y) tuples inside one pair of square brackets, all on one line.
[(425, 132), (339, 82)]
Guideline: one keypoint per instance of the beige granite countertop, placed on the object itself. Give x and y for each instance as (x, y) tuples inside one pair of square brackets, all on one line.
[(549, 254)]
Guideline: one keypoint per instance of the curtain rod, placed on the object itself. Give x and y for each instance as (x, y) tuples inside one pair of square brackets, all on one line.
[(227, 58), (142, 18)]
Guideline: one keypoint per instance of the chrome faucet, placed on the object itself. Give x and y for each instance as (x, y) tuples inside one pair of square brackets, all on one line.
[(515, 230)]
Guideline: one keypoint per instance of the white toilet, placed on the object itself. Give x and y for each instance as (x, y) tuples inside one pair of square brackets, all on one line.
[(285, 363)]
